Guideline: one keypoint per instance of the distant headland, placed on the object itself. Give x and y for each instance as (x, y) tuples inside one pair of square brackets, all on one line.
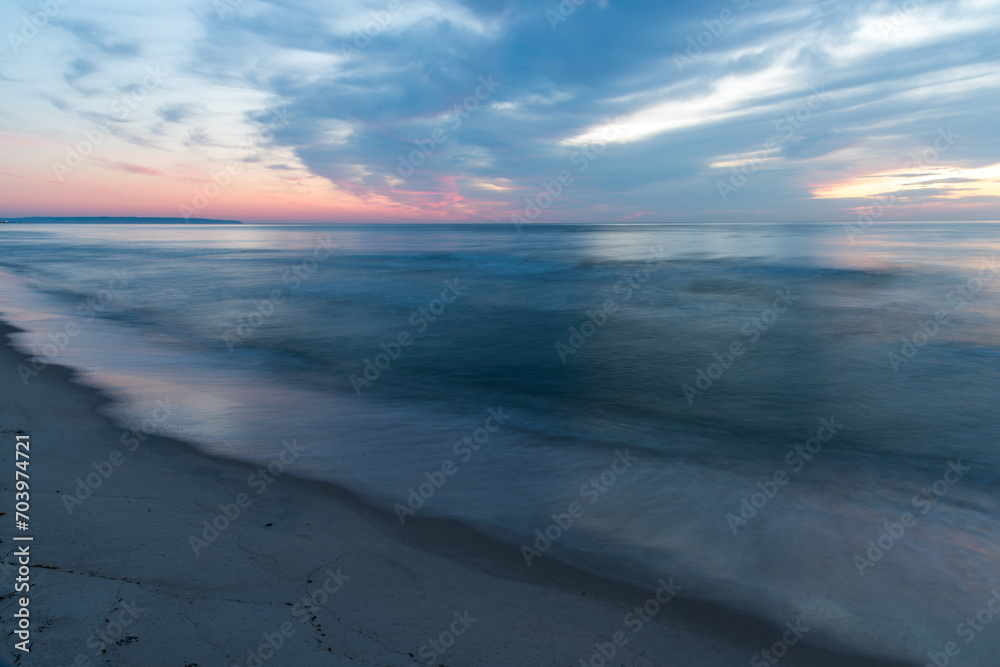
[(127, 221)]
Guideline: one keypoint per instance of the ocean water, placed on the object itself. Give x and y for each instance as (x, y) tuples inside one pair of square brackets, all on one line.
[(786, 419)]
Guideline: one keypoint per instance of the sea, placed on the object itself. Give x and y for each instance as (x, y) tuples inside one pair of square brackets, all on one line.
[(798, 421)]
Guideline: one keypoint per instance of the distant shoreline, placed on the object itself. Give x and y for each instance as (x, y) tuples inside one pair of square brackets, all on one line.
[(112, 220)]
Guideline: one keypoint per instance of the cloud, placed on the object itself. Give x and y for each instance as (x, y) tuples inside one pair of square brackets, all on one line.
[(99, 37), (198, 136), (127, 167), (58, 103), (649, 106), (78, 68), (175, 113), (564, 88)]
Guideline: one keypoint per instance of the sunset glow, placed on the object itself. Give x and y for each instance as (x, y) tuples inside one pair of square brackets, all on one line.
[(307, 112)]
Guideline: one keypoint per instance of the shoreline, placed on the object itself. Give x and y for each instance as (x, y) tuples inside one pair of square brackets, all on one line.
[(304, 574)]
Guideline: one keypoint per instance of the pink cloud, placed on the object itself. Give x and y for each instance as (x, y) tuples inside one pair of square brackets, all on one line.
[(128, 167)]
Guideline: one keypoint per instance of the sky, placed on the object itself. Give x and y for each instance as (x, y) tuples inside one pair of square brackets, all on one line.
[(498, 111)]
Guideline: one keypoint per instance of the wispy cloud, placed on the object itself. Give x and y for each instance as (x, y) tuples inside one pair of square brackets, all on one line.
[(369, 81), (176, 113), (127, 167)]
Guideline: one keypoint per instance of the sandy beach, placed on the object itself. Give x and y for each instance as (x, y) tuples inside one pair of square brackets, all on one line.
[(304, 574)]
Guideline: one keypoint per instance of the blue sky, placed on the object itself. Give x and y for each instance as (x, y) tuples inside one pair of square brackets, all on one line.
[(579, 111)]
